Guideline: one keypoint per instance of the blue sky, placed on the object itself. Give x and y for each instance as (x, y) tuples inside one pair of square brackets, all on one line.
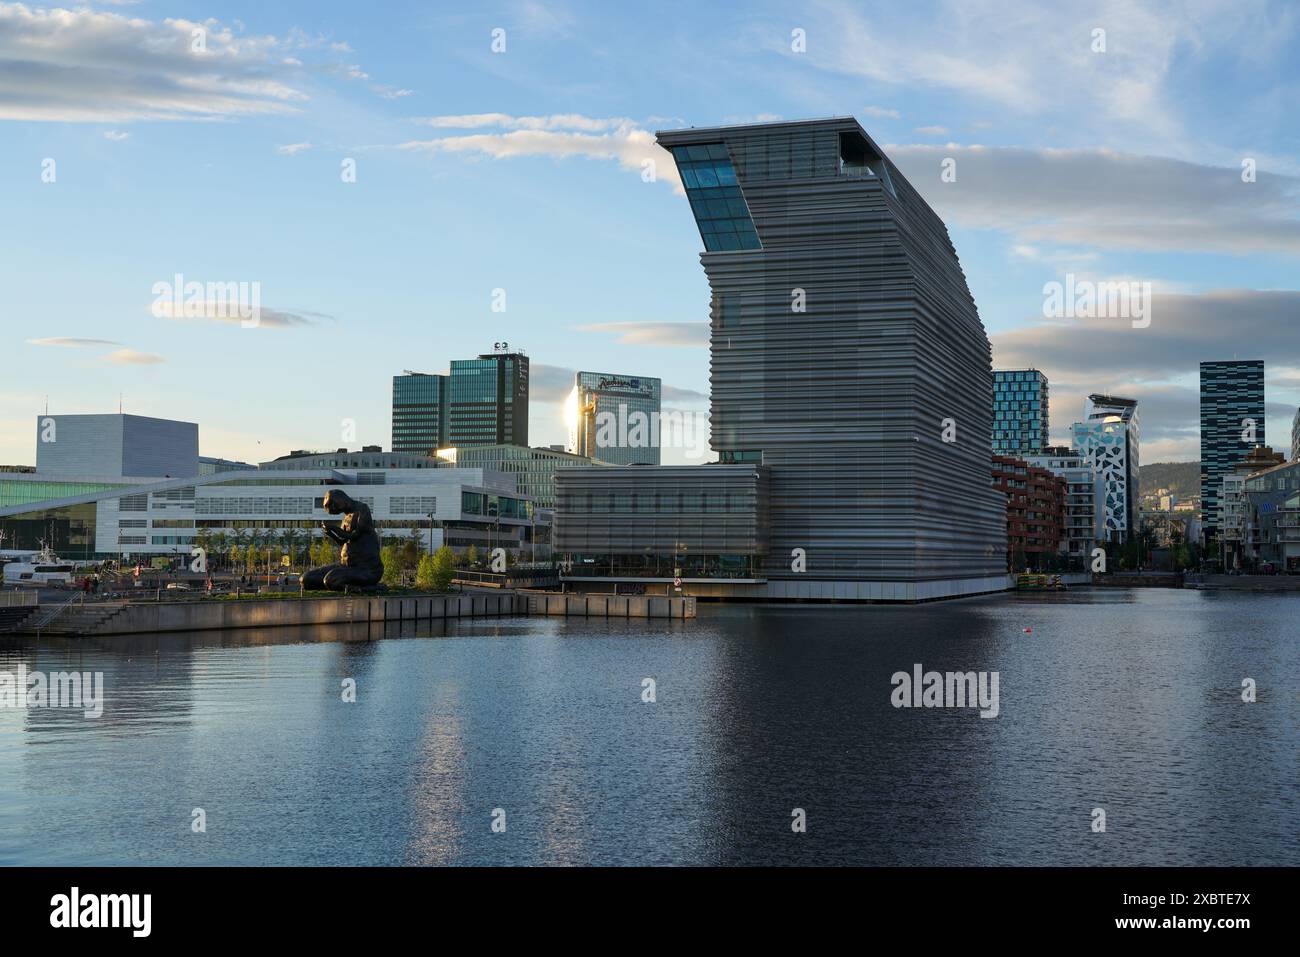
[(520, 170)]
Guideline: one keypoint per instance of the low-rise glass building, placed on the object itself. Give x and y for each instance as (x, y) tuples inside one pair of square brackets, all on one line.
[(703, 525), (533, 469)]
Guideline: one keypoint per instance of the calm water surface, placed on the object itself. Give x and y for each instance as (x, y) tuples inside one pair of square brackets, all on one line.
[(1125, 700)]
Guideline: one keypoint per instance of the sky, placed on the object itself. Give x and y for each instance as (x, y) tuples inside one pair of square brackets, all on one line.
[(390, 175)]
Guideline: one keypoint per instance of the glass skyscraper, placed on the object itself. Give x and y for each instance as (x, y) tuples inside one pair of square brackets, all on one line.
[(488, 400), (419, 412), (615, 418), (1020, 412), (1232, 423)]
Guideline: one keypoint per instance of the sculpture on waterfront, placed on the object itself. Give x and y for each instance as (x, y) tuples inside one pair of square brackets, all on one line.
[(359, 563)]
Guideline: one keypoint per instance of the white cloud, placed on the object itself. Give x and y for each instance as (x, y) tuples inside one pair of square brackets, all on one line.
[(558, 136), (115, 135), (226, 313), (932, 130), (96, 66), (132, 357), (71, 342), (1037, 59), (292, 148), (1102, 198), (558, 121), (120, 356), (654, 333), (91, 66), (881, 113)]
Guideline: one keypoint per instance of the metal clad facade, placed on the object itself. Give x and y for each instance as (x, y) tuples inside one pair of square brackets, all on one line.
[(838, 350)]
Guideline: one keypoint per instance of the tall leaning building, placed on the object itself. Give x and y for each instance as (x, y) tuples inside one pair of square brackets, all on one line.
[(848, 364)]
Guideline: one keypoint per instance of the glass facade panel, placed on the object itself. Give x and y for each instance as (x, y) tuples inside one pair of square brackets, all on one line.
[(20, 492), (715, 197), (70, 530)]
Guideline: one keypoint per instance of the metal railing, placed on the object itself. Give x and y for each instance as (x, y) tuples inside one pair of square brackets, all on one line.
[(48, 616), (19, 599)]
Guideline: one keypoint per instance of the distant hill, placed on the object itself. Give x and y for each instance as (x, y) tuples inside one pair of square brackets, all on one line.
[(1181, 478)]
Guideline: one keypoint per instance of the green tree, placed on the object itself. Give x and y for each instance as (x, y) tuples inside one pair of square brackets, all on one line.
[(292, 542), (255, 552), (238, 545), (322, 552), (221, 546), (444, 568), (425, 574), (391, 556), (203, 540), (471, 556), (412, 546)]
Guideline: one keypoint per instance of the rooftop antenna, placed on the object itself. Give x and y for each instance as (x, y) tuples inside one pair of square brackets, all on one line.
[(119, 403)]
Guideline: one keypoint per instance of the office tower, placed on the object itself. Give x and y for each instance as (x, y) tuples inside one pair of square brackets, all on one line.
[(615, 418), (1295, 436), (1110, 436), (488, 399), (1020, 409), (847, 356), (419, 412), (1232, 423)]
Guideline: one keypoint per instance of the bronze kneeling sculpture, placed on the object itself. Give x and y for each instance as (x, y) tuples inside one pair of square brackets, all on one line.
[(359, 563)]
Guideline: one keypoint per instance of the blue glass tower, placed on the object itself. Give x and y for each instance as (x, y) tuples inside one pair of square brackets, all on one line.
[(1020, 412), (419, 412)]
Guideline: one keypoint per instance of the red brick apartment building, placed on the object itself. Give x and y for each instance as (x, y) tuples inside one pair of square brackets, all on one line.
[(1035, 511)]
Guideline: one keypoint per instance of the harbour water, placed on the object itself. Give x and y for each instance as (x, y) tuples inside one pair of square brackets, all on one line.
[(1127, 701)]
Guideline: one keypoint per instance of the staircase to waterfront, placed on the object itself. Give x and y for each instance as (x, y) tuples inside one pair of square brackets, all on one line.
[(72, 617), (11, 619)]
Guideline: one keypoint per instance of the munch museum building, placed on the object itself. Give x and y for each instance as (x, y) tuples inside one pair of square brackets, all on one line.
[(850, 391)]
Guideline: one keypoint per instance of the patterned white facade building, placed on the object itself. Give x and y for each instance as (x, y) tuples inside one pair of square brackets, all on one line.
[(1109, 436)]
